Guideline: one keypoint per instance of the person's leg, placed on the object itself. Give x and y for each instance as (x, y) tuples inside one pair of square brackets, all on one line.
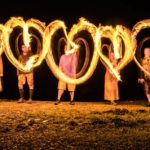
[(21, 82), (71, 89), (115, 91), (30, 95), (21, 100), (31, 86), (60, 93), (148, 94), (72, 97), (61, 88), (148, 98), (113, 102), (147, 91)]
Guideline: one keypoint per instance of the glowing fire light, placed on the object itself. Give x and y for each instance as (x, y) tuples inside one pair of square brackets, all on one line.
[(19, 22), (31, 61), (117, 36), (26, 35)]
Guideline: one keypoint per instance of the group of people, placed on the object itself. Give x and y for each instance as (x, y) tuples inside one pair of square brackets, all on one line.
[(68, 64)]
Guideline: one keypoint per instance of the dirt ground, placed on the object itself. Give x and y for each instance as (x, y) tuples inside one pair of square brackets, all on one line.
[(86, 125)]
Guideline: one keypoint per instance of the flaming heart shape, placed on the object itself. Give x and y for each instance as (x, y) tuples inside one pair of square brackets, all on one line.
[(19, 22), (115, 35), (50, 30), (122, 39)]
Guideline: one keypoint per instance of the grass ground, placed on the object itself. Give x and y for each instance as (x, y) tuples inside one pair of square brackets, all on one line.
[(87, 125)]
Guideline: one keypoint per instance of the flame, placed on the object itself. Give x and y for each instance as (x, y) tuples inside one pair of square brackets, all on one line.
[(99, 34), (117, 36), (31, 61), (50, 30), (25, 25), (117, 45), (26, 35), (71, 51), (113, 34)]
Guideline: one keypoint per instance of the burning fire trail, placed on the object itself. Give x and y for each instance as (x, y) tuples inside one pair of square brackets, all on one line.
[(123, 41)]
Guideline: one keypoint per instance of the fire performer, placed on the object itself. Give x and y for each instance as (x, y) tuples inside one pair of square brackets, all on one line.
[(23, 58), (144, 78), (68, 64), (111, 89)]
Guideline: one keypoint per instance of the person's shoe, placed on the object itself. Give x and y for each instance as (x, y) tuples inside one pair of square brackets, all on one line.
[(57, 102), (21, 100), (30, 101), (113, 103), (72, 103)]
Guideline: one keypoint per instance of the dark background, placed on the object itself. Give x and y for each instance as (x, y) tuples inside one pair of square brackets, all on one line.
[(106, 12)]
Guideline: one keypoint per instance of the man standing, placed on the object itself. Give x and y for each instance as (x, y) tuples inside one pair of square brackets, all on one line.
[(23, 58), (68, 64)]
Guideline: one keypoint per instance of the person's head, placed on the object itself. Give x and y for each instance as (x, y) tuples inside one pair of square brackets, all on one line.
[(24, 48), (147, 52)]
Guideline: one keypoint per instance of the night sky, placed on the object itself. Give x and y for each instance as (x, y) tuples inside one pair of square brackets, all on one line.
[(107, 12)]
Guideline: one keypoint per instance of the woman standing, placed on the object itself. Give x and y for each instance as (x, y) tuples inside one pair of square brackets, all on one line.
[(111, 90)]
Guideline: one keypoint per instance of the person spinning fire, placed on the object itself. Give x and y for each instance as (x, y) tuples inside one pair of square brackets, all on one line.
[(144, 78), (68, 64), (22, 77)]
